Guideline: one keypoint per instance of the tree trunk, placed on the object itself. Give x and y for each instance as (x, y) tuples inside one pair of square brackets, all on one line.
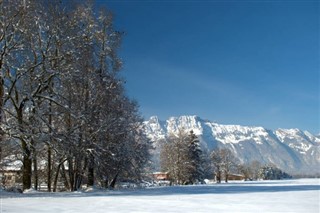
[(71, 174), (90, 170), (67, 184), (113, 182), (56, 178), (27, 165), (35, 171), (219, 176), (27, 161), (78, 182), (79, 172), (226, 177), (1, 103), (49, 169), (49, 146)]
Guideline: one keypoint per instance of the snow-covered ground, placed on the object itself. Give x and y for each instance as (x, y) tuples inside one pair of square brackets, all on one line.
[(265, 196)]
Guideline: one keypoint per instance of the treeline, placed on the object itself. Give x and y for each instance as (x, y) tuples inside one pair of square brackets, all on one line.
[(317, 175), (255, 171), (187, 162), (62, 99)]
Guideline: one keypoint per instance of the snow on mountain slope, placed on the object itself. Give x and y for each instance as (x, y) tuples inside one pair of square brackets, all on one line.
[(154, 129), (290, 149), (291, 136)]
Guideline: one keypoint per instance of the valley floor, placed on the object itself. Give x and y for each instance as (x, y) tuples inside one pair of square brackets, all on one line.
[(301, 195)]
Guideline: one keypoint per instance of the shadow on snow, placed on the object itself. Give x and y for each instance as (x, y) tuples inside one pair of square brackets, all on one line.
[(232, 188)]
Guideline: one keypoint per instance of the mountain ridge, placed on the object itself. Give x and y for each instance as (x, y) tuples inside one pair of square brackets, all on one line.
[(292, 150)]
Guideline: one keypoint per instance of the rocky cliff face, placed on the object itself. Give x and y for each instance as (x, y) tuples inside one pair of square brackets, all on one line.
[(292, 150)]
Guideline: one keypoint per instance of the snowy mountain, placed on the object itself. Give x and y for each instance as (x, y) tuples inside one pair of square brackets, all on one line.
[(292, 150)]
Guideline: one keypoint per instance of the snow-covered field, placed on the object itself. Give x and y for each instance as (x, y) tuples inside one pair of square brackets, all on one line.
[(265, 196)]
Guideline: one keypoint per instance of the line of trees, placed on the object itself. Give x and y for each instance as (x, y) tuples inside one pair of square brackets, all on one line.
[(62, 99), (255, 171), (187, 163), (225, 163)]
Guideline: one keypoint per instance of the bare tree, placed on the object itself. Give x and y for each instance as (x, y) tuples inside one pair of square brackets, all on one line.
[(217, 164), (245, 170), (224, 162), (174, 156), (62, 94)]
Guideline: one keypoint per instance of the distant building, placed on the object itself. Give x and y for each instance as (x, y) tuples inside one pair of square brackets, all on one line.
[(230, 177), (160, 175), (10, 171), (236, 177)]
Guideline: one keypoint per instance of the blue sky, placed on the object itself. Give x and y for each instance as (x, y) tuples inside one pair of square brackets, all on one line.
[(252, 63)]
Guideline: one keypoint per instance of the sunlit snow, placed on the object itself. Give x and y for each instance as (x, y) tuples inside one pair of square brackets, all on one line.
[(264, 196)]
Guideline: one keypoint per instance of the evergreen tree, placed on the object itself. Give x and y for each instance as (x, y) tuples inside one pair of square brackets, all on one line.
[(271, 172), (195, 159)]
